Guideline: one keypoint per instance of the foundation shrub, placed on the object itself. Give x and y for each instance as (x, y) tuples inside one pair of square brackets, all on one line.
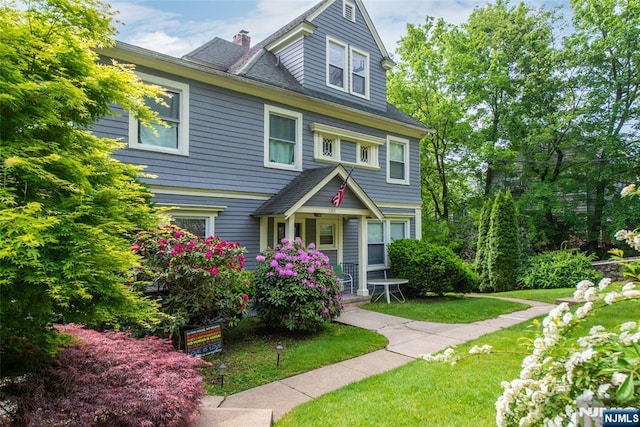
[(296, 287), (429, 268), (199, 281)]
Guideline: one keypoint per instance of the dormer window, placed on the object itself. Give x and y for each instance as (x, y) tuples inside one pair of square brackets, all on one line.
[(359, 73), (349, 11), (347, 68), (337, 59)]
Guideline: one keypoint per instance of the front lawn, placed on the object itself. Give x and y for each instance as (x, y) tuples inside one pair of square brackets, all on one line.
[(249, 352), (542, 295), (422, 393), (447, 309)]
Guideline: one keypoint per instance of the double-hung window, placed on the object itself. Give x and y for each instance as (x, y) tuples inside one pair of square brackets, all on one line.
[(172, 135), (337, 60), (283, 138), (347, 68), (379, 235), (359, 73), (397, 161)]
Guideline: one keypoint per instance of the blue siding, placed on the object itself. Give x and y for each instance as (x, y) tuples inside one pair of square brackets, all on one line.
[(293, 58), (226, 147), (357, 35)]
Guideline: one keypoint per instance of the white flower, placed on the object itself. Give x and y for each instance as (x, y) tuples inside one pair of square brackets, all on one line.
[(583, 285), (485, 349), (581, 312), (585, 398), (631, 294), (636, 242), (602, 391), (590, 294), (621, 235), (604, 283), (610, 297), (628, 190), (618, 378), (628, 286), (628, 326)]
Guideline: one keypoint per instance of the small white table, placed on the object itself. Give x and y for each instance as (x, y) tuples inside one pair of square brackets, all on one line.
[(385, 283)]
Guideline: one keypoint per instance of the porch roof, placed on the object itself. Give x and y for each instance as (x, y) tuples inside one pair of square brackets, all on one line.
[(303, 187)]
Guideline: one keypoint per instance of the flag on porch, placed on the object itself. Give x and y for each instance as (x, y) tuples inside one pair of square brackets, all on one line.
[(336, 200)]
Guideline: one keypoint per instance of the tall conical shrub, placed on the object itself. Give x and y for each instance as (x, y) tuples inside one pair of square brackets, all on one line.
[(483, 238), (503, 255)]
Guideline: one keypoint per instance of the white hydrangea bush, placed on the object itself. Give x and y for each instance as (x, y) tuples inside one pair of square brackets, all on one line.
[(597, 370), (560, 376)]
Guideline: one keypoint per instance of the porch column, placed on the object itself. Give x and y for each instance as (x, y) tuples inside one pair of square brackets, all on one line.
[(290, 232), (363, 256)]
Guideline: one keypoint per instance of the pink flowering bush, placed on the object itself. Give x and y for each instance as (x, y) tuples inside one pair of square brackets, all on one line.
[(296, 287), (111, 379), (200, 281)]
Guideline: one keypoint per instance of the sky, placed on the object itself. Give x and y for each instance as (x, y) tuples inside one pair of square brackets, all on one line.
[(176, 27)]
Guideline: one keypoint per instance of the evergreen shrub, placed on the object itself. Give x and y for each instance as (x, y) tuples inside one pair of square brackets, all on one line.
[(557, 269), (296, 287), (110, 379), (503, 254), (429, 268)]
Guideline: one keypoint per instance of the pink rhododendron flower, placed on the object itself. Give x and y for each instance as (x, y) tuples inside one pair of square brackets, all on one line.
[(214, 271), (208, 254), (260, 258)]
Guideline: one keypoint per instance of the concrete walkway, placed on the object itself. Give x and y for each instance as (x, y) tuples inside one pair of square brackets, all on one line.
[(408, 339)]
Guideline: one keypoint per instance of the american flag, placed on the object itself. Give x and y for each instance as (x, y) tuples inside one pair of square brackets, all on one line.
[(336, 200)]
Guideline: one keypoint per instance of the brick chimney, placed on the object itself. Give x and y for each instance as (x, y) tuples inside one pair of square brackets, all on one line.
[(242, 39)]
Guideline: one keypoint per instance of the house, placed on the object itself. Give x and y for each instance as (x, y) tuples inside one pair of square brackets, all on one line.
[(261, 138)]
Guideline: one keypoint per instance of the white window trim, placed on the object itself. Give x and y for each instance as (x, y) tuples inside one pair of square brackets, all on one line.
[(387, 239), (345, 60), (405, 142), (360, 139), (183, 128), (335, 235), (194, 211), (297, 161), (347, 4), (366, 74)]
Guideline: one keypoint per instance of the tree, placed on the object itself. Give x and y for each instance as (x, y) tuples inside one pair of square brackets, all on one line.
[(68, 210), (481, 264), (606, 56), (503, 254), (421, 87)]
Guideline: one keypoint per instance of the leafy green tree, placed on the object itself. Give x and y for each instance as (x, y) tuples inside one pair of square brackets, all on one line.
[(421, 87), (68, 210), (606, 58), (503, 254)]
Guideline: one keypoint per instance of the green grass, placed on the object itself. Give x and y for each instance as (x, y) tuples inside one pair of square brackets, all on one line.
[(436, 394), (447, 309), (542, 295), (249, 351)]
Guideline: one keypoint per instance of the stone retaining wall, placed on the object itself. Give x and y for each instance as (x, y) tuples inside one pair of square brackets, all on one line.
[(612, 269)]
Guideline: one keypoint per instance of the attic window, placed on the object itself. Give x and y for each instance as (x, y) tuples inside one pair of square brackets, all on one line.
[(349, 11)]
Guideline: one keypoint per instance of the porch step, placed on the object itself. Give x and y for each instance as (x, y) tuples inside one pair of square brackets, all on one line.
[(351, 300)]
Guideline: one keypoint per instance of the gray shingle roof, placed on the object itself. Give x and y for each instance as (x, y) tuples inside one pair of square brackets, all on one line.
[(219, 52), (291, 194)]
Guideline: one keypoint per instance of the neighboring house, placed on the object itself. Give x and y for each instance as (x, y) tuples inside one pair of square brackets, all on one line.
[(260, 139)]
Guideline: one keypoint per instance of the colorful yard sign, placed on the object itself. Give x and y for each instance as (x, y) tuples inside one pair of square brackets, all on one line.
[(205, 340)]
